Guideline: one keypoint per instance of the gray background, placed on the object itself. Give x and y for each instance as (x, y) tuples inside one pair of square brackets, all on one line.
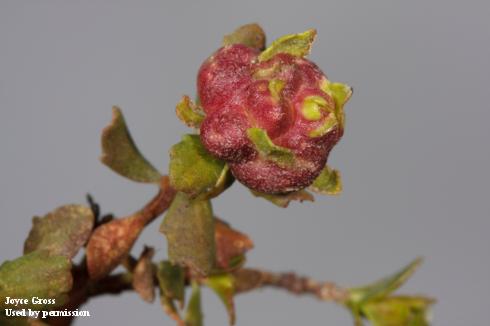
[(414, 158)]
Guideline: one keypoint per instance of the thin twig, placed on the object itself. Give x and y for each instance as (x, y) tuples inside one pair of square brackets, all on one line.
[(250, 279), (159, 203), (246, 280)]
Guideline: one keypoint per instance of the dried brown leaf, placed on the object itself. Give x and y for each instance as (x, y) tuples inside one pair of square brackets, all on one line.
[(230, 244), (144, 275), (110, 244)]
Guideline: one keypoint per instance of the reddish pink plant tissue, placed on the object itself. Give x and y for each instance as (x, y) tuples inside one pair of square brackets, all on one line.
[(237, 92)]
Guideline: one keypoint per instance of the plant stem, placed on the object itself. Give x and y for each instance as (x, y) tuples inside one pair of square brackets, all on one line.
[(250, 279), (247, 280), (159, 203)]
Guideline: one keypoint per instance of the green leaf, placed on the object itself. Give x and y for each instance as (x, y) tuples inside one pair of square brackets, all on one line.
[(298, 45), (341, 93), (327, 126), (37, 274), (189, 113), (224, 286), (171, 279), (193, 315), (225, 180), (143, 276), (328, 182), (398, 311), (313, 109), (275, 88), (313, 106), (264, 145), (192, 169), (383, 287), (189, 228), (62, 232), (283, 200), (120, 153), (251, 35)]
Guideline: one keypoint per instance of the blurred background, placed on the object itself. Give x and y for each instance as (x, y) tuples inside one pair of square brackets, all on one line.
[(414, 158)]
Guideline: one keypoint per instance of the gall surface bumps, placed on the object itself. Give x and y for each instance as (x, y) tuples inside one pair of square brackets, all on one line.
[(273, 121)]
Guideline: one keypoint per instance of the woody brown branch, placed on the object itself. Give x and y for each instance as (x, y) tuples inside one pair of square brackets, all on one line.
[(159, 203), (246, 280), (250, 279)]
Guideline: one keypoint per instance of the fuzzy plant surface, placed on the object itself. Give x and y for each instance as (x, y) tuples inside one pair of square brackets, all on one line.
[(265, 116), (272, 115)]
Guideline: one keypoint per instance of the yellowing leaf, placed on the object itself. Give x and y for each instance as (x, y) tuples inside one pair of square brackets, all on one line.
[(328, 124), (328, 182), (341, 93), (189, 228), (189, 113), (225, 180), (251, 35), (120, 153), (192, 169), (383, 287), (398, 311), (143, 276), (224, 286), (298, 45), (62, 232), (275, 88)]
